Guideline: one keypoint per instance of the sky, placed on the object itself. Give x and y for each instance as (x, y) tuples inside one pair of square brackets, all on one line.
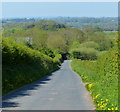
[(60, 0), (55, 9)]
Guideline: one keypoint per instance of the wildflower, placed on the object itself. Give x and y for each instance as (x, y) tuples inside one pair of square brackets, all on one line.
[(106, 99), (112, 108), (102, 106), (97, 96), (90, 85)]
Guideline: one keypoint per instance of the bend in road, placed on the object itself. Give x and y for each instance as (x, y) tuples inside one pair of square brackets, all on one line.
[(61, 90)]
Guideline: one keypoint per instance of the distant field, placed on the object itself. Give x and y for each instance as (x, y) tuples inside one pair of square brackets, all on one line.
[(107, 23)]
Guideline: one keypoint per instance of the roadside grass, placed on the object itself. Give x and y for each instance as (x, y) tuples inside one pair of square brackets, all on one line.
[(102, 79)]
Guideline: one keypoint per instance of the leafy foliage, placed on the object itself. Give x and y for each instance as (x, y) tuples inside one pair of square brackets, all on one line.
[(102, 76), (84, 53), (22, 65), (90, 44)]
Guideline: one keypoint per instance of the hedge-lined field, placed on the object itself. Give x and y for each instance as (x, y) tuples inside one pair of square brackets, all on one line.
[(102, 79), (23, 65)]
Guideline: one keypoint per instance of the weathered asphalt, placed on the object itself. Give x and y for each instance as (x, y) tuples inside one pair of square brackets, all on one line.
[(61, 90)]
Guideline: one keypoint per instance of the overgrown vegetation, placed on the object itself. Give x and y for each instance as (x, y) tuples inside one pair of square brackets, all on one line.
[(102, 76), (22, 65)]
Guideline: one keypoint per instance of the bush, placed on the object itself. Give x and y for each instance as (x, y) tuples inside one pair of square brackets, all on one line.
[(90, 44), (84, 53), (47, 52), (22, 65), (57, 58)]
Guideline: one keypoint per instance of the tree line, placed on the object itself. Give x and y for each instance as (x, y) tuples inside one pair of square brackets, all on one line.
[(48, 36)]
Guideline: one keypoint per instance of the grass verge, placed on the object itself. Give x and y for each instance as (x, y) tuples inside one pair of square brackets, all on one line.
[(102, 76)]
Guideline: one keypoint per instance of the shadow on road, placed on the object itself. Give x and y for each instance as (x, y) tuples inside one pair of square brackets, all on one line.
[(23, 91)]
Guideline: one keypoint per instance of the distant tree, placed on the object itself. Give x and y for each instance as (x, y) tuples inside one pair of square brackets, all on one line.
[(97, 29), (57, 42)]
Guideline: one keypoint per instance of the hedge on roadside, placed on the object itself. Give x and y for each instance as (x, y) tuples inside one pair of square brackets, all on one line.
[(23, 65)]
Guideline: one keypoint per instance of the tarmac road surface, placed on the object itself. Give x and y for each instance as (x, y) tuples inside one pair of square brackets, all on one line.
[(61, 90)]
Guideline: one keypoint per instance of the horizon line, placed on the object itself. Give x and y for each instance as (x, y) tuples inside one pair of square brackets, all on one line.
[(60, 1), (58, 17)]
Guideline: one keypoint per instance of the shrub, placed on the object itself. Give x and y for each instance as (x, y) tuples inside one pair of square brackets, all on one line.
[(57, 58), (47, 52), (84, 53), (90, 44), (22, 65)]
